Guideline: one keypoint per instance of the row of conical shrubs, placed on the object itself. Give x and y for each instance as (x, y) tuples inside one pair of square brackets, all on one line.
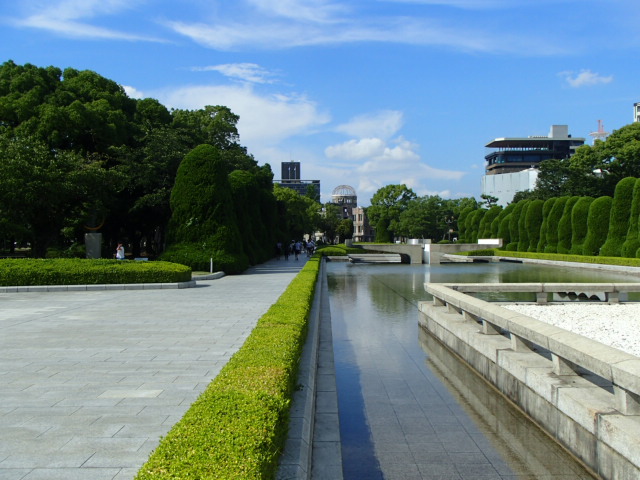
[(602, 226)]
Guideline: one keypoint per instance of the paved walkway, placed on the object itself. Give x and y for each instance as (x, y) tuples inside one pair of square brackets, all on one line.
[(90, 381)]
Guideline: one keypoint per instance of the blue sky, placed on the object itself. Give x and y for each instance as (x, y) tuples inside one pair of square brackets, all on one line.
[(361, 92)]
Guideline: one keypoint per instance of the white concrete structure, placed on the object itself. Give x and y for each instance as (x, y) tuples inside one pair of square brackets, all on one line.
[(636, 112), (505, 185)]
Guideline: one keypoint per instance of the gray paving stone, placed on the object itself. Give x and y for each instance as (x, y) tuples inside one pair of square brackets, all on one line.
[(93, 378)]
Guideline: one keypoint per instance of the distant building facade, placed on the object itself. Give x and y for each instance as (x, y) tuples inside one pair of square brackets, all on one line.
[(516, 160), (290, 178), (362, 230), (636, 112)]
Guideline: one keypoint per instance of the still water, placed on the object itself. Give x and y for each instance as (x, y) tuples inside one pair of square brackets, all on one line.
[(408, 408)]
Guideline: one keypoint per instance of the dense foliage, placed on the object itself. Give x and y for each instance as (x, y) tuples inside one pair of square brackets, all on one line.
[(108, 163)]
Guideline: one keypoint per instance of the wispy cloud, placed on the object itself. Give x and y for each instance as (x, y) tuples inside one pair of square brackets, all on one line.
[(585, 78), (293, 23), (71, 18), (246, 72)]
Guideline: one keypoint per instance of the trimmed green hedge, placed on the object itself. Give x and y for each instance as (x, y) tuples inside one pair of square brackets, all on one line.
[(546, 209), (494, 252), (564, 226), (77, 271), (533, 221), (579, 215), (238, 426), (552, 224), (338, 250), (597, 225), (632, 241), (619, 218), (199, 256)]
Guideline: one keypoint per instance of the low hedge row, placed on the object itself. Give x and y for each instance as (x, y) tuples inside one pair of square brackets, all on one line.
[(558, 257), (337, 250), (237, 427), (203, 256), (79, 271)]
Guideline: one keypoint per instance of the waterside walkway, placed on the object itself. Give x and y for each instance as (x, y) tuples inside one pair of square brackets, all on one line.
[(90, 380)]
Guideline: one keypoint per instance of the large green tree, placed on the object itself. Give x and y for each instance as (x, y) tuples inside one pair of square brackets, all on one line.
[(386, 206), (43, 190)]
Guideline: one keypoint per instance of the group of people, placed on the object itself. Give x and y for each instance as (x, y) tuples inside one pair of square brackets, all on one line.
[(295, 248)]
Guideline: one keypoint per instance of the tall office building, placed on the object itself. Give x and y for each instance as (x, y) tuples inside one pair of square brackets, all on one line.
[(512, 166)]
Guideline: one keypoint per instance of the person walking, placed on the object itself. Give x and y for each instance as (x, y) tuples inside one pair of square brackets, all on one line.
[(120, 252)]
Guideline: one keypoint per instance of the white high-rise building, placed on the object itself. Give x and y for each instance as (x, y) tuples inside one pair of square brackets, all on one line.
[(636, 112)]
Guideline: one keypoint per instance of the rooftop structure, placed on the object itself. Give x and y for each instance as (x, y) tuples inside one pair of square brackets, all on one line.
[(290, 172), (636, 112), (520, 153), (345, 197)]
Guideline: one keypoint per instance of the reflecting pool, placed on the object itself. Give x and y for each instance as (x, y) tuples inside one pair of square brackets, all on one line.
[(411, 410)]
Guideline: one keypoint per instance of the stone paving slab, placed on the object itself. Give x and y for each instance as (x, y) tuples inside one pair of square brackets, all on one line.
[(90, 380)]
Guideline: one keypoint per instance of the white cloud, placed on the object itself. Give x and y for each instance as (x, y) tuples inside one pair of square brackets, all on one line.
[(357, 149), (64, 17), (382, 124), (315, 11), (376, 162), (585, 78), (247, 72), (265, 120), (133, 92)]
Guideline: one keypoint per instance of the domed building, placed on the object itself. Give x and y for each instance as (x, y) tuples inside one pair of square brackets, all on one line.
[(345, 197)]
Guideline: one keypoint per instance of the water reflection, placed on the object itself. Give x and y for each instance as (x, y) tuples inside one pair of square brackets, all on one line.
[(407, 408)]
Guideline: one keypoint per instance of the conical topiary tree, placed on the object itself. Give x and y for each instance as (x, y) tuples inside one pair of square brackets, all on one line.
[(533, 222), (597, 225), (514, 232), (203, 223), (523, 234), (579, 216), (546, 209), (552, 224), (632, 241), (564, 226), (619, 221)]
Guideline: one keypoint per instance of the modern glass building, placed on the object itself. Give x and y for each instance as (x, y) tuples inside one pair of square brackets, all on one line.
[(511, 155)]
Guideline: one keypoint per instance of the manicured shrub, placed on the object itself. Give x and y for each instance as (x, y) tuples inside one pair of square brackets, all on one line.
[(503, 231), (533, 222), (597, 225), (203, 223), (484, 229), (462, 227), (473, 224), (619, 221), (237, 428), (514, 233), (495, 224), (203, 256), (523, 234), (552, 224), (546, 210), (564, 226), (579, 216), (76, 271), (632, 241)]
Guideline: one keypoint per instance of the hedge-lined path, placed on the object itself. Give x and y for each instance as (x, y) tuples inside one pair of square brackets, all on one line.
[(90, 381)]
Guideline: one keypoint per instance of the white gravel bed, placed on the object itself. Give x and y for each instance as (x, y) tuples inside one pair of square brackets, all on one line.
[(617, 325)]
